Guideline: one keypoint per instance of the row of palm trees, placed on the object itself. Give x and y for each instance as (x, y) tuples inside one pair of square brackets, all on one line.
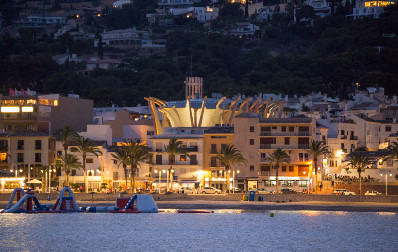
[(83, 146), (315, 150), (132, 154), (360, 161)]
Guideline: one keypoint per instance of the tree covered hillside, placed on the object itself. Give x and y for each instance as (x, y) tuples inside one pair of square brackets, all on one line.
[(330, 56)]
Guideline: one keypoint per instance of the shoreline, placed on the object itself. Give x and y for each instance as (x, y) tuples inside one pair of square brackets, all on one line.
[(258, 206)]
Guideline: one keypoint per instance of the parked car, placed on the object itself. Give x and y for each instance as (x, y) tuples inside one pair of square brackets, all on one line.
[(209, 190), (343, 192), (288, 191), (236, 190), (373, 193), (186, 190), (265, 191)]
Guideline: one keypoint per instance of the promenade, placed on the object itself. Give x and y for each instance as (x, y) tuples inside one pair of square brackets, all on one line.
[(288, 202)]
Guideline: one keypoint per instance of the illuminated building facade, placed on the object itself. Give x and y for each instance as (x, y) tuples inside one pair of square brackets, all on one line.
[(44, 113), (188, 170), (208, 112), (214, 140), (366, 8), (258, 137), (27, 154)]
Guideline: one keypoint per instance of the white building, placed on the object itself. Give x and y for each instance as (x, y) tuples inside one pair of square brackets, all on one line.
[(125, 38), (120, 3), (321, 7), (369, 8), (187, 168), (176, 3)]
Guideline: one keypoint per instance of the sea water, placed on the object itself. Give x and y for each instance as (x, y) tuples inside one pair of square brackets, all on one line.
[(224, 230)]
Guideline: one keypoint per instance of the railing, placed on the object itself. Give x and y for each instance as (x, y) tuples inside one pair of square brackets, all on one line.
[(343, 137), (353, 138), (157, 150), (193, 162), (303, 146), (264, 160), (284, 146), (213, 164), (279, 133), (266, 173), (213, 151), (192, 148)]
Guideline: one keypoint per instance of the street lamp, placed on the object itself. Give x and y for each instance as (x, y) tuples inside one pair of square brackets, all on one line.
[(308, 182), (381, 175), (160, 176), (164, 171), (233, 182), (171, 173)]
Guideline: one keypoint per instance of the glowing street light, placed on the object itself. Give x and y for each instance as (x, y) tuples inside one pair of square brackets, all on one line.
[(381, 175)]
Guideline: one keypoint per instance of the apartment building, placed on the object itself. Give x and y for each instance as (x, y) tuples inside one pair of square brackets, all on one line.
[(258, 137), (215, 139), (94, 166), (44, 113), (369, 8), (188, 170), (28, 154)]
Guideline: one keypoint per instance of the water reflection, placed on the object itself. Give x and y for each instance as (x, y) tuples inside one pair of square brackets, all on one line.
[(225, 230), (386, 213)]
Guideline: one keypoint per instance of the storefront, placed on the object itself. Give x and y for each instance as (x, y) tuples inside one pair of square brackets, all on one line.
[(10, 183), (295, 183)]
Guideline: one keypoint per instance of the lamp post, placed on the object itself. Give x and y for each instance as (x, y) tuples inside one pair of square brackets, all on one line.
[(233, 182), (386, 179), (171, 174), (164, 171), (160, 174)]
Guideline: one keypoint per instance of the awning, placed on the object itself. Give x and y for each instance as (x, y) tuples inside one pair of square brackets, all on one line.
[(34, 181)]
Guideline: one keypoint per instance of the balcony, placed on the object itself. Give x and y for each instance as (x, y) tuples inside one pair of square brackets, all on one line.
[(157, 150), (353, 138), (193, 162), (192, 149), (300, 133), (213, 164), (343, 137), (283, 146), (266, 173), (213, 151), (265, 146), (303, 146)]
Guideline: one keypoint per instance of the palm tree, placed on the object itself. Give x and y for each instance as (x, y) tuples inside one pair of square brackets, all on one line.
[(317, 148), (69, 162), (393, 154), (137, 154), (278, 157), (228, 157), (360, 161), (122, 158), (84, 147), (66, 135), (174, 148)]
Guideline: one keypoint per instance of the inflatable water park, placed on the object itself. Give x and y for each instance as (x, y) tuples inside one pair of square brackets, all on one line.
[(27, 202)]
